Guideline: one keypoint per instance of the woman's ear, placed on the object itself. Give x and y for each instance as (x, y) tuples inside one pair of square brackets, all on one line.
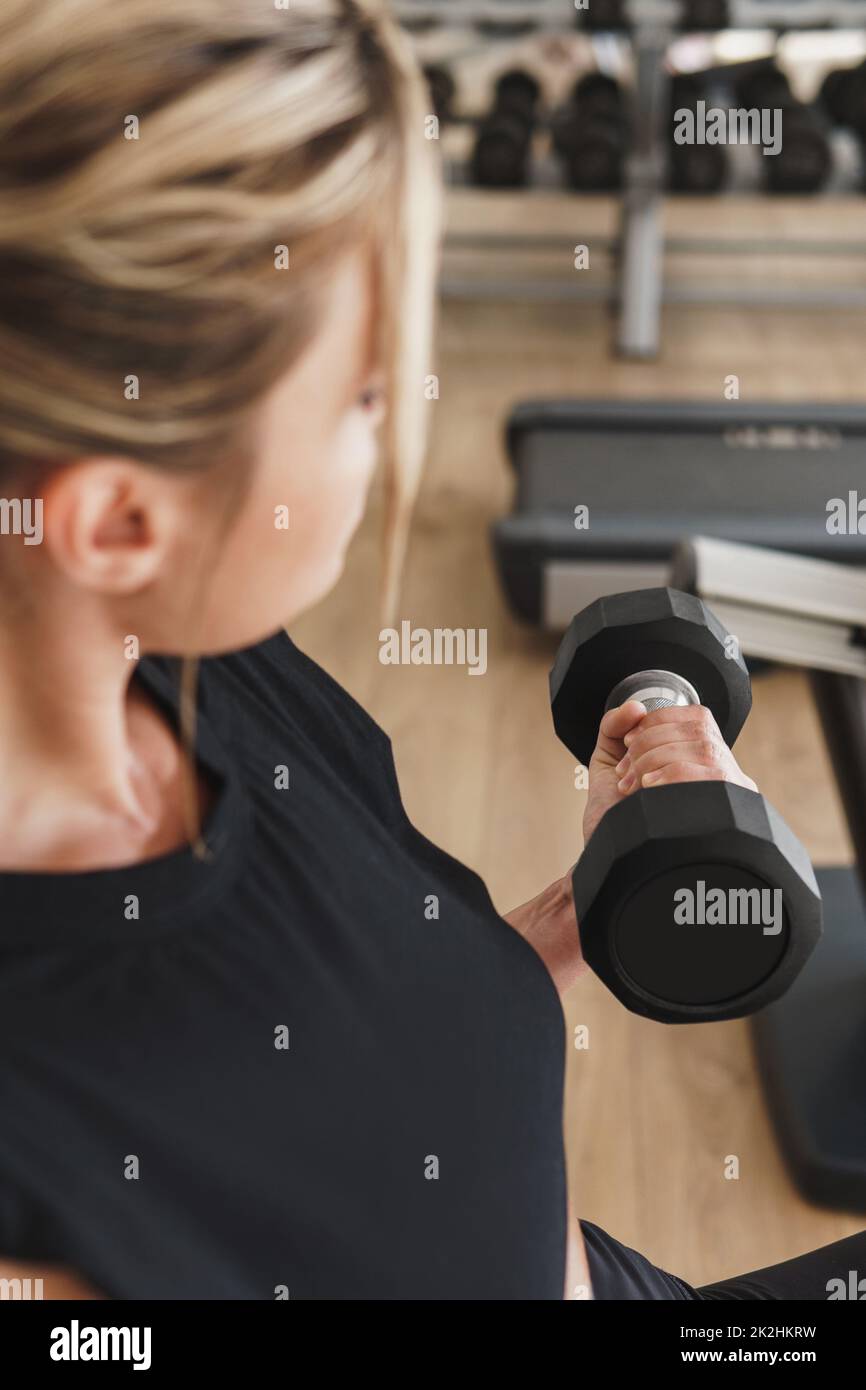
[(108, 524)]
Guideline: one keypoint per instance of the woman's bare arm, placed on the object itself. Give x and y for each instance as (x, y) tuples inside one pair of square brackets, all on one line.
[(549, 924)]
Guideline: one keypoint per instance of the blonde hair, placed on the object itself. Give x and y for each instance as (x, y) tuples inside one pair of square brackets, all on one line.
[(258, 127)]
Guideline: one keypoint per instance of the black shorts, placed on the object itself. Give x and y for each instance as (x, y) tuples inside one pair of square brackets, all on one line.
[(618, 1272)]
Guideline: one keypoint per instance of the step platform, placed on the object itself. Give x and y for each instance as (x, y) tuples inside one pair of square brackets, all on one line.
[(605, 491)]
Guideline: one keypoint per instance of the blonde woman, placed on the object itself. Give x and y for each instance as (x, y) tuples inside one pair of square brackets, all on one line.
[(237, 1060)]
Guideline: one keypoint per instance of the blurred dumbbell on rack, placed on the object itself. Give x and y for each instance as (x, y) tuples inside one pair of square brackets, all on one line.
[(590, 134), (693, 167), (604, 16), (843, 98), (762, 85), (696, 16), (804, 161), (443, 90), (518, 93), (502, 156), (705, 16)]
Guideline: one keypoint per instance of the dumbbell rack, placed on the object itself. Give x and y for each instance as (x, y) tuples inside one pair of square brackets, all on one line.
[(642, 234), (652, 27)]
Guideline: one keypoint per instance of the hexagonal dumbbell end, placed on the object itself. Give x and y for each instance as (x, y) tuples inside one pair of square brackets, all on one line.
[(646, 630), (696, 902)]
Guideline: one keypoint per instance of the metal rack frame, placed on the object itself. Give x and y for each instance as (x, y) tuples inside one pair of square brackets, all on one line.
[(563, 14), (654, 24)]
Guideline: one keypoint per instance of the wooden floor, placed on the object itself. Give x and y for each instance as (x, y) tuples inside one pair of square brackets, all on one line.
[(652, 1112)]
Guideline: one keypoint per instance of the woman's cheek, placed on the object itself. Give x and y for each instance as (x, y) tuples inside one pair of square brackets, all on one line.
[(353, 484), (326, 514)]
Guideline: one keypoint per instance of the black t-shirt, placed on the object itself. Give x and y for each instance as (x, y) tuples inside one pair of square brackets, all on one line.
[(319, 1063)]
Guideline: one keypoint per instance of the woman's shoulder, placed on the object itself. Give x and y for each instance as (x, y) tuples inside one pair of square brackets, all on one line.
[(276, 697), (276, 675), (277, 670), (273, 702)]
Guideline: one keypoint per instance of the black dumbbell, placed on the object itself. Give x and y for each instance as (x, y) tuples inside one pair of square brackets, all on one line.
[(502, 154), (518, 93), (832, 97), (590, 134), (843, 97), (693, 168), (604, 16), (855, 99), (705, 16), (695, 16), (695, 901), (443, 90), (762, 85), (598, 94), (804, 162)]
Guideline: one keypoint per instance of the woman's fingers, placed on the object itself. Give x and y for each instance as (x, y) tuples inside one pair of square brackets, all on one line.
[(680, 734), (697, 727), (644, 771), (696, 750), (681, 743), (680, 772), (615, 725), (679, 714)]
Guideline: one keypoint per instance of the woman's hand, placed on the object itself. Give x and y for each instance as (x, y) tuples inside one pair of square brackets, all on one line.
[(636, 749)]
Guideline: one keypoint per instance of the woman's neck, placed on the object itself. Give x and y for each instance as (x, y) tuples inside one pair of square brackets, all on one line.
[(92, 772)]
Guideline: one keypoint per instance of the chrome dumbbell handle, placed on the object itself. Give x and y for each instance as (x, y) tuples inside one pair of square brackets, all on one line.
[(655, 689)]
